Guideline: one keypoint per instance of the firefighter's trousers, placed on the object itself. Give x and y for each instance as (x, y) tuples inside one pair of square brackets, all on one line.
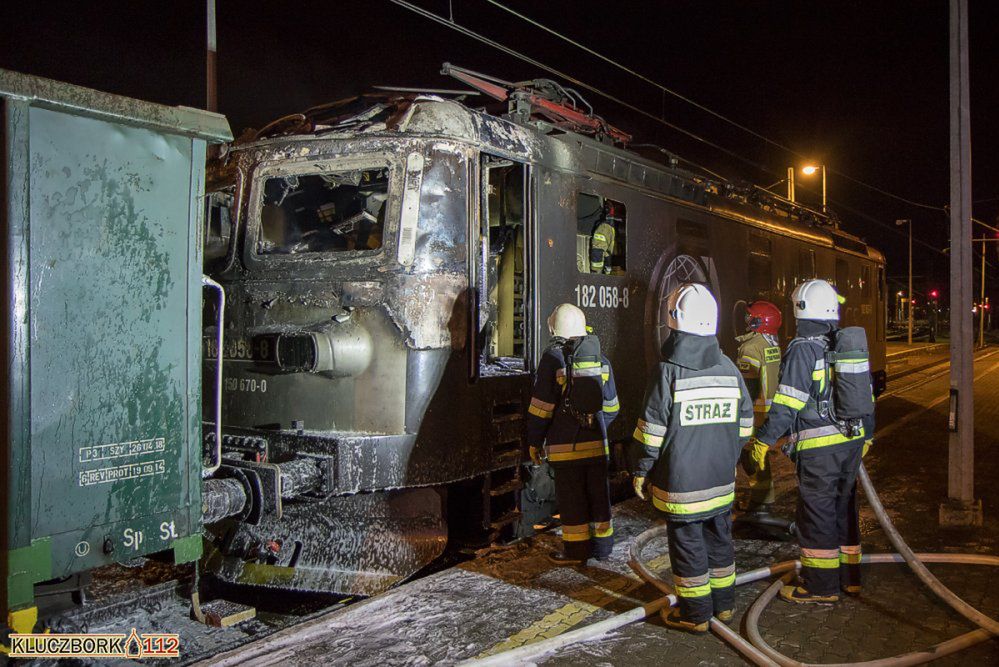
[(702, 558), (582, 492), (827, 519)]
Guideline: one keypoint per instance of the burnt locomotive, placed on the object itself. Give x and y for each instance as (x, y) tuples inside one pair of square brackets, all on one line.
[(388, 263)]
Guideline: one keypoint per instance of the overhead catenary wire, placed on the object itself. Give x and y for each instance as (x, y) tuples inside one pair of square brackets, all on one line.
[(668, 91), (468, 32)]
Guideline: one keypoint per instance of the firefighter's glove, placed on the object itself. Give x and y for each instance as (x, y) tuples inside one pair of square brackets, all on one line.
[(535, 455), (638, 483), (758, 453), (867, 446)]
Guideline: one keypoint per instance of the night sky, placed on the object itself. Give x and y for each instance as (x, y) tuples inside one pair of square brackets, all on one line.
[(860, 86)]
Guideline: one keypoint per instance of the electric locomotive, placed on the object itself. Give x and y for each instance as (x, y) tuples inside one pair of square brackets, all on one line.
[(389, 262)]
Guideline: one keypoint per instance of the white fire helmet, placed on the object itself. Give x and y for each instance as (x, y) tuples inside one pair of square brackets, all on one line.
[(815, 300), (692, 309), (567, 321)]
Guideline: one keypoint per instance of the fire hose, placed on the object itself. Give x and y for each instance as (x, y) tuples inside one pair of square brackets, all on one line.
[(756, 649)]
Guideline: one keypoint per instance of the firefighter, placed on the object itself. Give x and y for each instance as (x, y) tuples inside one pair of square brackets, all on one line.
[(826, 457), (696, 418), (573, 402), (758, 360), (602, 243)]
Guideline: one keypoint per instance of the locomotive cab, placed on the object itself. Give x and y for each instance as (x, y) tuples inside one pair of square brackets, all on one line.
[(361, 273)]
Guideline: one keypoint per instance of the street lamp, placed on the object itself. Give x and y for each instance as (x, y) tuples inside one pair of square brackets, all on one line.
[(909, 222), (809, 170)]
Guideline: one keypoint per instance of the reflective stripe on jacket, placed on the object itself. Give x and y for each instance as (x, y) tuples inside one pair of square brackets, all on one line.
[(693, 427), (601, 246), (759, 362), (548, 422), (797, 405)]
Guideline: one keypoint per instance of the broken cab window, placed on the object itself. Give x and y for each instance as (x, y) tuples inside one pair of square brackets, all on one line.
[(334, 211), (600, 235), (504, 279)]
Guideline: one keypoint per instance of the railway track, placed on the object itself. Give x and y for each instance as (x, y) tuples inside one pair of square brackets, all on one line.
[(929, 372)]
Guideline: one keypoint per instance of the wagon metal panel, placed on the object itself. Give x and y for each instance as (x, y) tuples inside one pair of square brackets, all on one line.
[(101, 206)]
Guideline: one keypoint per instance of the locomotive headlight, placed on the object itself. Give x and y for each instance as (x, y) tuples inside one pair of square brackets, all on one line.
[(341, 350)]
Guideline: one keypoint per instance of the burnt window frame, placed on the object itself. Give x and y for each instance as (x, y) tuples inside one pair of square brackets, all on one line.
[(478, 224), (394, 162)]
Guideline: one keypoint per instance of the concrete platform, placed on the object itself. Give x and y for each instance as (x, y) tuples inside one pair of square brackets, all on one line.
[(511, 596)]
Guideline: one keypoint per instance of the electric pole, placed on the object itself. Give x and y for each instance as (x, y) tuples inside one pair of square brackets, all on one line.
[(960, 509), (211, 82)]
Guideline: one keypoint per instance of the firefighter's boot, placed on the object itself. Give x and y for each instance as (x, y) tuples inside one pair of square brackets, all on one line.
[(562, 559), (799, 595), (674, 619)]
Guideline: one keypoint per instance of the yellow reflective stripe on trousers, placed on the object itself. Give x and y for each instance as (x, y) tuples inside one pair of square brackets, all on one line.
[(821, 563), (695, 507), (723, 582), (603, 529), (850, 555), (580, 450), (693, 591), (576, 533), (539, 412)]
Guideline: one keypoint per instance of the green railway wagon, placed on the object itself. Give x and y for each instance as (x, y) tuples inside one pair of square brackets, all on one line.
[(101, 202)]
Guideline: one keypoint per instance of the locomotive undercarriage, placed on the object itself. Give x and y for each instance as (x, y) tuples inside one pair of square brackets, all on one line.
[(306, 523)]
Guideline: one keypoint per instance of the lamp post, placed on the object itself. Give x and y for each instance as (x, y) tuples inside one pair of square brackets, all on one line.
[(808, 170), (983, 306), (909, 222)]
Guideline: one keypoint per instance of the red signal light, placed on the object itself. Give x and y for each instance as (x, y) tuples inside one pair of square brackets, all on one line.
[(934, 294), (914, 302)]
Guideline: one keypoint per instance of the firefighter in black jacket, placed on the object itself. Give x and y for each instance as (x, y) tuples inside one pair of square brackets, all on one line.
[(697, 416), (573, 402), (827, 459)]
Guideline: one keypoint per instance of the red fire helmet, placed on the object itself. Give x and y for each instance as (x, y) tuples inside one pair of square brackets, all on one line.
[(613, 210), (764, 317)]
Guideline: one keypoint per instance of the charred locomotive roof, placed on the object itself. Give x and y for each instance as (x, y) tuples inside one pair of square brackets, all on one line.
[(394, 115)]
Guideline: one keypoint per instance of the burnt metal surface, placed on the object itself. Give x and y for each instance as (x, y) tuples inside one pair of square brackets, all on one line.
[(79, 101), (357, 545), (221, 498)]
